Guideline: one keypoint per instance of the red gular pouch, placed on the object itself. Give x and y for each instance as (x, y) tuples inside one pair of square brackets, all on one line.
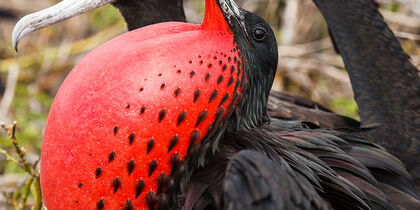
[(125, 117)]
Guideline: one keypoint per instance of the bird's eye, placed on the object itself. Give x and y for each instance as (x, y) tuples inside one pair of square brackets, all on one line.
[(259, 33)]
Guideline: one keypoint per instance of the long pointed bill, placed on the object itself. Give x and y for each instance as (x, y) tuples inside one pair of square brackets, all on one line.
[(59, 12), (232, 13), (230, 9)]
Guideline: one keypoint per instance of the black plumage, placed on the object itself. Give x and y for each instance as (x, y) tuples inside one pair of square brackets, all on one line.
[(346, 171), (151, 11), (306, 156), (385, 83), (249, 184)]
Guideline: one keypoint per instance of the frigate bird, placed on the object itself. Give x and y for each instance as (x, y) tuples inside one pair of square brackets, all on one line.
[(319, 168)]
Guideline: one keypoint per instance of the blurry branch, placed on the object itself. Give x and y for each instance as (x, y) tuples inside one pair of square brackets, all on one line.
[(406, 35), (288, 30), (304, 49), (401, 19), (10, 91), (26, 166), (26, 191), (307, 64), (326, 69), (413, 5), (8, 157), (24, 6), (330, 59)]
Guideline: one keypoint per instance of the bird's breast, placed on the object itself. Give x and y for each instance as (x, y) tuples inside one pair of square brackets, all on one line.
[(129, 108)]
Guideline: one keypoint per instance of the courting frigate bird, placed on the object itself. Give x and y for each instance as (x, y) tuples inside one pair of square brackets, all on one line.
[(318, 165), (401, 139)]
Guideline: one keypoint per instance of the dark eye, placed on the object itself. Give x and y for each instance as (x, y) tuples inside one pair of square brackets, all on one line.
[(259, 33)]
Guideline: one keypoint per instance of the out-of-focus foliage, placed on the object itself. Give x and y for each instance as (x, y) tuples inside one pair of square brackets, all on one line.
[(308, 65)]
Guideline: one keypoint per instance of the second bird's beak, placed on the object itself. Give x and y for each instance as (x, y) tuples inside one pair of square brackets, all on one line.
[(54, 14)]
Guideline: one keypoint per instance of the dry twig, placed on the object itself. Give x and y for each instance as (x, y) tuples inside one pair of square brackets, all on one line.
[(26, 166)]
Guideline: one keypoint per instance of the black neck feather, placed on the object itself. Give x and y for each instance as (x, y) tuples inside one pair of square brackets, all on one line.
[(259, 71), (259, 65), (139, 13)]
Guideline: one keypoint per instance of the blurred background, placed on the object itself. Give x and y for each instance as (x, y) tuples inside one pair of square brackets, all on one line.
[(308, 65)]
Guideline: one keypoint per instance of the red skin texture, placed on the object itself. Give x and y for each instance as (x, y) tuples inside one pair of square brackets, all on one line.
[(109, 87)]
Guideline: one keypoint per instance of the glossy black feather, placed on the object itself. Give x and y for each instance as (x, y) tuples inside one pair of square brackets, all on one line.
[(249, 184), (282, 105), (325, 159)]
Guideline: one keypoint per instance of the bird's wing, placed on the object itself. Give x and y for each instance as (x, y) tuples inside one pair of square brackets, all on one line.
[(366, 165), (285, 106), (253, 181), (385, 83), (317, 157), (322, 165)]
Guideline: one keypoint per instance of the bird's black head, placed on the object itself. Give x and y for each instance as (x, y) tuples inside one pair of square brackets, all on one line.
[(259, 40), (257, 47)]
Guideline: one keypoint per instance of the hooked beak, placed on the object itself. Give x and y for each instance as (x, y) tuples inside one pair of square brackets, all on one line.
[(59, 12), (232, 13)]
